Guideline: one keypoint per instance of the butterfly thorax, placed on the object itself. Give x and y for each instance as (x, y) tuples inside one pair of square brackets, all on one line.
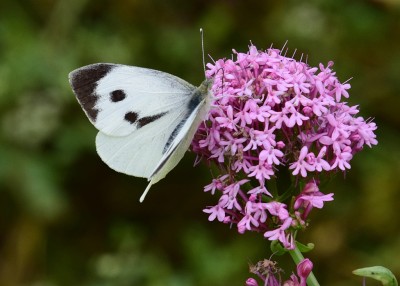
[(205, 86), (205, 89)]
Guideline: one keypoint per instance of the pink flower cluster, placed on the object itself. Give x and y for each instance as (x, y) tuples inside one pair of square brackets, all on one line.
[(273, 113)]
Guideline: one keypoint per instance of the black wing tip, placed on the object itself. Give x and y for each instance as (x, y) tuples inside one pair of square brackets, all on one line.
[(89, 73), (84, 81)]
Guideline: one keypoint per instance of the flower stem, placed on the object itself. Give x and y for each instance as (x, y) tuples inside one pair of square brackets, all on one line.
[(297, 257)]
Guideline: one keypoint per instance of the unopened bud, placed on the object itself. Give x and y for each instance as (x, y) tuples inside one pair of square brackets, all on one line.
[(251, 282)]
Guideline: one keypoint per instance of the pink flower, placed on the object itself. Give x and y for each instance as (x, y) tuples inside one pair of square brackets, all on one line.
[(301, 166), (280, 234), (342, 158), (262, 171), (319, 163), (317, 201), (227, 120), (216, 184), (271, 156), (277, 209), (229, 202), (341, 90), (247, 221), (295, 117), (256, 139), (215, 212), (311, 197), (232, 144)]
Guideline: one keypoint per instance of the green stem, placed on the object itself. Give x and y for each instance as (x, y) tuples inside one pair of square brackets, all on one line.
[(297, 257)]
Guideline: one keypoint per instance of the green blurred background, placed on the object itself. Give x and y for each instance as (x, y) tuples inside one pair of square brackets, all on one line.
[(67, 219)]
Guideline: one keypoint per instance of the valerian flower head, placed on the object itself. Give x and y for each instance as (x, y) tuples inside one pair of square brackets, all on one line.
[(276, 119)]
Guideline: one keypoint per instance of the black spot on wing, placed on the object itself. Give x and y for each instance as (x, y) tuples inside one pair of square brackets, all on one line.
[(117, 95), (131, 117), (84, 81), (149, 119)]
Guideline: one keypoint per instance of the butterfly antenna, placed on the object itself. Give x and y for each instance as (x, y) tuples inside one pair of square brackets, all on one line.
[(202, 49)]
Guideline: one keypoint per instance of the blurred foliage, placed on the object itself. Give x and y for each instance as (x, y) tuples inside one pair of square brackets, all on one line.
[(67, 219)]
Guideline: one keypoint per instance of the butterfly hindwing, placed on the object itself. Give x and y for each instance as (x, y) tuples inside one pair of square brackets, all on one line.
[(138, 153)]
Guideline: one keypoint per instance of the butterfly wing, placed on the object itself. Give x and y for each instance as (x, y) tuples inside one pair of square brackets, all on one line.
[(143, 116)]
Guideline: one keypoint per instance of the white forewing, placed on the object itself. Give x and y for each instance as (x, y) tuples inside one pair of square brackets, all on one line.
[(119, 99)]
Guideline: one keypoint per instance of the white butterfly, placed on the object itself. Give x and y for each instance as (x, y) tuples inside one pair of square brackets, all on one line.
[(146, 118)]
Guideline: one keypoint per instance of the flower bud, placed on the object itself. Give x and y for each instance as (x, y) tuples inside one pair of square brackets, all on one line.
[(280, 144), (304, 268), (311, 187), (251, 282)]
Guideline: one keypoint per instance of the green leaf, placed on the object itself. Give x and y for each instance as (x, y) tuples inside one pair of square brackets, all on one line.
[(277, 248), (379, 273), (305, 248)]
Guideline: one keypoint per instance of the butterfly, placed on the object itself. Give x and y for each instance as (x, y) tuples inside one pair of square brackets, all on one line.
[(146, 118)]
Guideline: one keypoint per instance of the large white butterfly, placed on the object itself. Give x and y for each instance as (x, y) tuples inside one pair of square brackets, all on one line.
[(146, 118)]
